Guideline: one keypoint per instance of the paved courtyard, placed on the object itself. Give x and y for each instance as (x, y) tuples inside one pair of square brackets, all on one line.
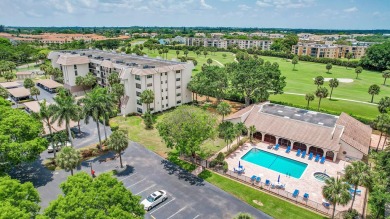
[(305, 184)]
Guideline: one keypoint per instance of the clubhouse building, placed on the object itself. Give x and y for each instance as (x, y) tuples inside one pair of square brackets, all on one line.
[(335, 137), (167, 79)]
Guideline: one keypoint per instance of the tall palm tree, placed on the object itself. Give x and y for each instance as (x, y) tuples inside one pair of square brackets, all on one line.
[(309, 97), (45, 113), (336, 192), (374, 90), (357, 174), (147, 97), (35, 92), (333, 83), (96, 104), (65, 109), (319, 80), (321, 92), (229, 135), (223, 109), (240, 129), (68, 159), (252, 130), (385, 75), (118, 142)]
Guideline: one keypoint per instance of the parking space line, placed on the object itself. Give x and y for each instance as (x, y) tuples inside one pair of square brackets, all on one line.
[(145, 189), (196, 216), (128, 177), (176, 212), (136, 183), (162, 206)]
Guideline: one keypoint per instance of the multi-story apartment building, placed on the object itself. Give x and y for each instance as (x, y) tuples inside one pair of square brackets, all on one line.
[(328, 51), (167, 79), (224, 43)]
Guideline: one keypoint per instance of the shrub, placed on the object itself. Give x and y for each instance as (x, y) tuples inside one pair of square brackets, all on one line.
[(114, 126), (220, 157), (234, 147), (351, 214)]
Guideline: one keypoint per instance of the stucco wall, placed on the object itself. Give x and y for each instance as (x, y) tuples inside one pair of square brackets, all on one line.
[(351, 153)]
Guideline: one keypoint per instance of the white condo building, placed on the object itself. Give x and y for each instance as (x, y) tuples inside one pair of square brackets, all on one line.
[(167, 79)]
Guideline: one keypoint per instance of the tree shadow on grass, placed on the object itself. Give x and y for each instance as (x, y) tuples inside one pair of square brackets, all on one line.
[(334, 100), (173, 169)]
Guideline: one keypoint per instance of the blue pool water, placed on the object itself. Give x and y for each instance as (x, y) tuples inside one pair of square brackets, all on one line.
[(275, 162)]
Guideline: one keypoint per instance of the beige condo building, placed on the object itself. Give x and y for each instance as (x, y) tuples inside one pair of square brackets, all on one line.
[(224, 43), (328, 51)]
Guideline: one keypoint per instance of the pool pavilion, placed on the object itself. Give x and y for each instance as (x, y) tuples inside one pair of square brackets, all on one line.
[(335, 137)]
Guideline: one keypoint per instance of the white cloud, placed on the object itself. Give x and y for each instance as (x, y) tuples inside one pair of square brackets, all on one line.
[(349, 10), (263, 4), (285, 3), (244, 7), (69, 7), (205, 5)]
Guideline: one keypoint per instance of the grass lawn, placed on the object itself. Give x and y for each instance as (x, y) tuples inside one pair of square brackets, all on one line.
[(152, 140), (364, 110), (272, 205)]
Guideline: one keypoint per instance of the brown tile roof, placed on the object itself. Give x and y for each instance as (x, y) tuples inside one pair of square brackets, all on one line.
[(9, 84), (33, 106), (240, 112), (355, 133), (67, 59), (49, 83), (19, 92), (107, 64)]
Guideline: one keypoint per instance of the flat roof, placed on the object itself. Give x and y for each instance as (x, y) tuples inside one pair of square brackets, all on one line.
[(49, 83), (9, 84), (33, 106), (300, 114), (19, 92)]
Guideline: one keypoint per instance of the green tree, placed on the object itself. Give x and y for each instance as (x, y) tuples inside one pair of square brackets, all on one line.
[(309, 97), (374, 90), (34, 91), (147, 97), (65, 109), (209, 61), (186, 52), (319, 81), (3, 93), (333, 83), (205, 53), (224, 109), (357, 174), (28, 83), (358, 70), (186, 128), (377, 56), (101, 197), (240, 129), (385, 75), (243, 216), (329, 67), (118, 90), (68, 159), (45, 113), (252, 130), (228, 132), (348, 56), (336, 192), (384, 105), (113, 78), (177, 53), (8, 76), (295, 61), (148, 120), (198, 53), (18, 200), (381, 123), (253, 79), (224, 55), (118, 142), (320, 93)]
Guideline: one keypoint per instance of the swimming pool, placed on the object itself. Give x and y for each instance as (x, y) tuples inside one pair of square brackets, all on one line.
[(275, 162)]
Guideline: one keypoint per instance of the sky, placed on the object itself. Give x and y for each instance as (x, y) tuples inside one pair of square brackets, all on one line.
[(316, 14)]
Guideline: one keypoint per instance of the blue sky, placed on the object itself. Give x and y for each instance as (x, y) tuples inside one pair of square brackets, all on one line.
[(322, 14)]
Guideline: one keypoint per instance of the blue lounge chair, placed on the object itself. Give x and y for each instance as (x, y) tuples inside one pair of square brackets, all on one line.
[(253, 178), (296, 193), (357, 191), (322, 160), (299, 152), (317, 158), (258, 179), (267, 182), (303, 154), (311, 155), (276, 146), (288, 149), (306, 196)]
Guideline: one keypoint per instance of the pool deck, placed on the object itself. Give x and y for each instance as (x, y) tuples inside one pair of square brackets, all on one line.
[(306, 184)]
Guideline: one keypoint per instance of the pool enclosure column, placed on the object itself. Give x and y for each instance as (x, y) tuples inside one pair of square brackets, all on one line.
[(262, 136), (334, 156)]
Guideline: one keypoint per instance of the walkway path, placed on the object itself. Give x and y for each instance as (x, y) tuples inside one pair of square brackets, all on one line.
[(356, 101), (219, 63)]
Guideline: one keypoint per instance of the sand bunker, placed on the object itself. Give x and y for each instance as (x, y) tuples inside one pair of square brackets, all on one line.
[(341, 80)]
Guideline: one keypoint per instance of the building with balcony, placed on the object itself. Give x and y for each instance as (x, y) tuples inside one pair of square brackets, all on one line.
[(328, 51), (167, 79), (224, 43)]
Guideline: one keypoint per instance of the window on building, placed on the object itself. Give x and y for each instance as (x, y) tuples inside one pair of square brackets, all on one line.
[(149, 85), (162, 82), (178, 87), (161, 74), (177, 79), (162, 90), (166, 89), (139, 110), (178, 102), (151, 109), (178, 95), (166, 81), (162, 98), (166, 97), (75, 66), (165, 73), (137, 77), (75, 73), (166, 105), (178, 71), (149, 76), (162, 106), (138, 86), (139, 102), (138, 94)]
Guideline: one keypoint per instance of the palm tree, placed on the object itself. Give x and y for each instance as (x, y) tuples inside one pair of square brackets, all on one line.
[(223, 109), (65, 109), (68, 159), (321, 92), (379, 123), (374, 90), (357, 174), (3, 93), (177, 53), (28, 83), (209, 61), (35, 92), (358, 70), (198, 53), (229, 135), (96, 104), (319, 80), (329, 66), (118, 142), (80, 82), (336, 192), (333, 83), (294, 61), (185, 52), (45, 113), (385, 75), (309, 97), (147, 97), (252, 130), (240, 129)]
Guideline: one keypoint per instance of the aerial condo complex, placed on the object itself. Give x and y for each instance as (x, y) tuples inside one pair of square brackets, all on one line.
[(206, 109)]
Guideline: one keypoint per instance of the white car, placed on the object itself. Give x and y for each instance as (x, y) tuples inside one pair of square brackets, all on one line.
[(50, 149), (154, 199)]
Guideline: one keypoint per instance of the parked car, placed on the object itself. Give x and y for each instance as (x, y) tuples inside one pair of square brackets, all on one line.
[(50, 149), (154, 199)]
